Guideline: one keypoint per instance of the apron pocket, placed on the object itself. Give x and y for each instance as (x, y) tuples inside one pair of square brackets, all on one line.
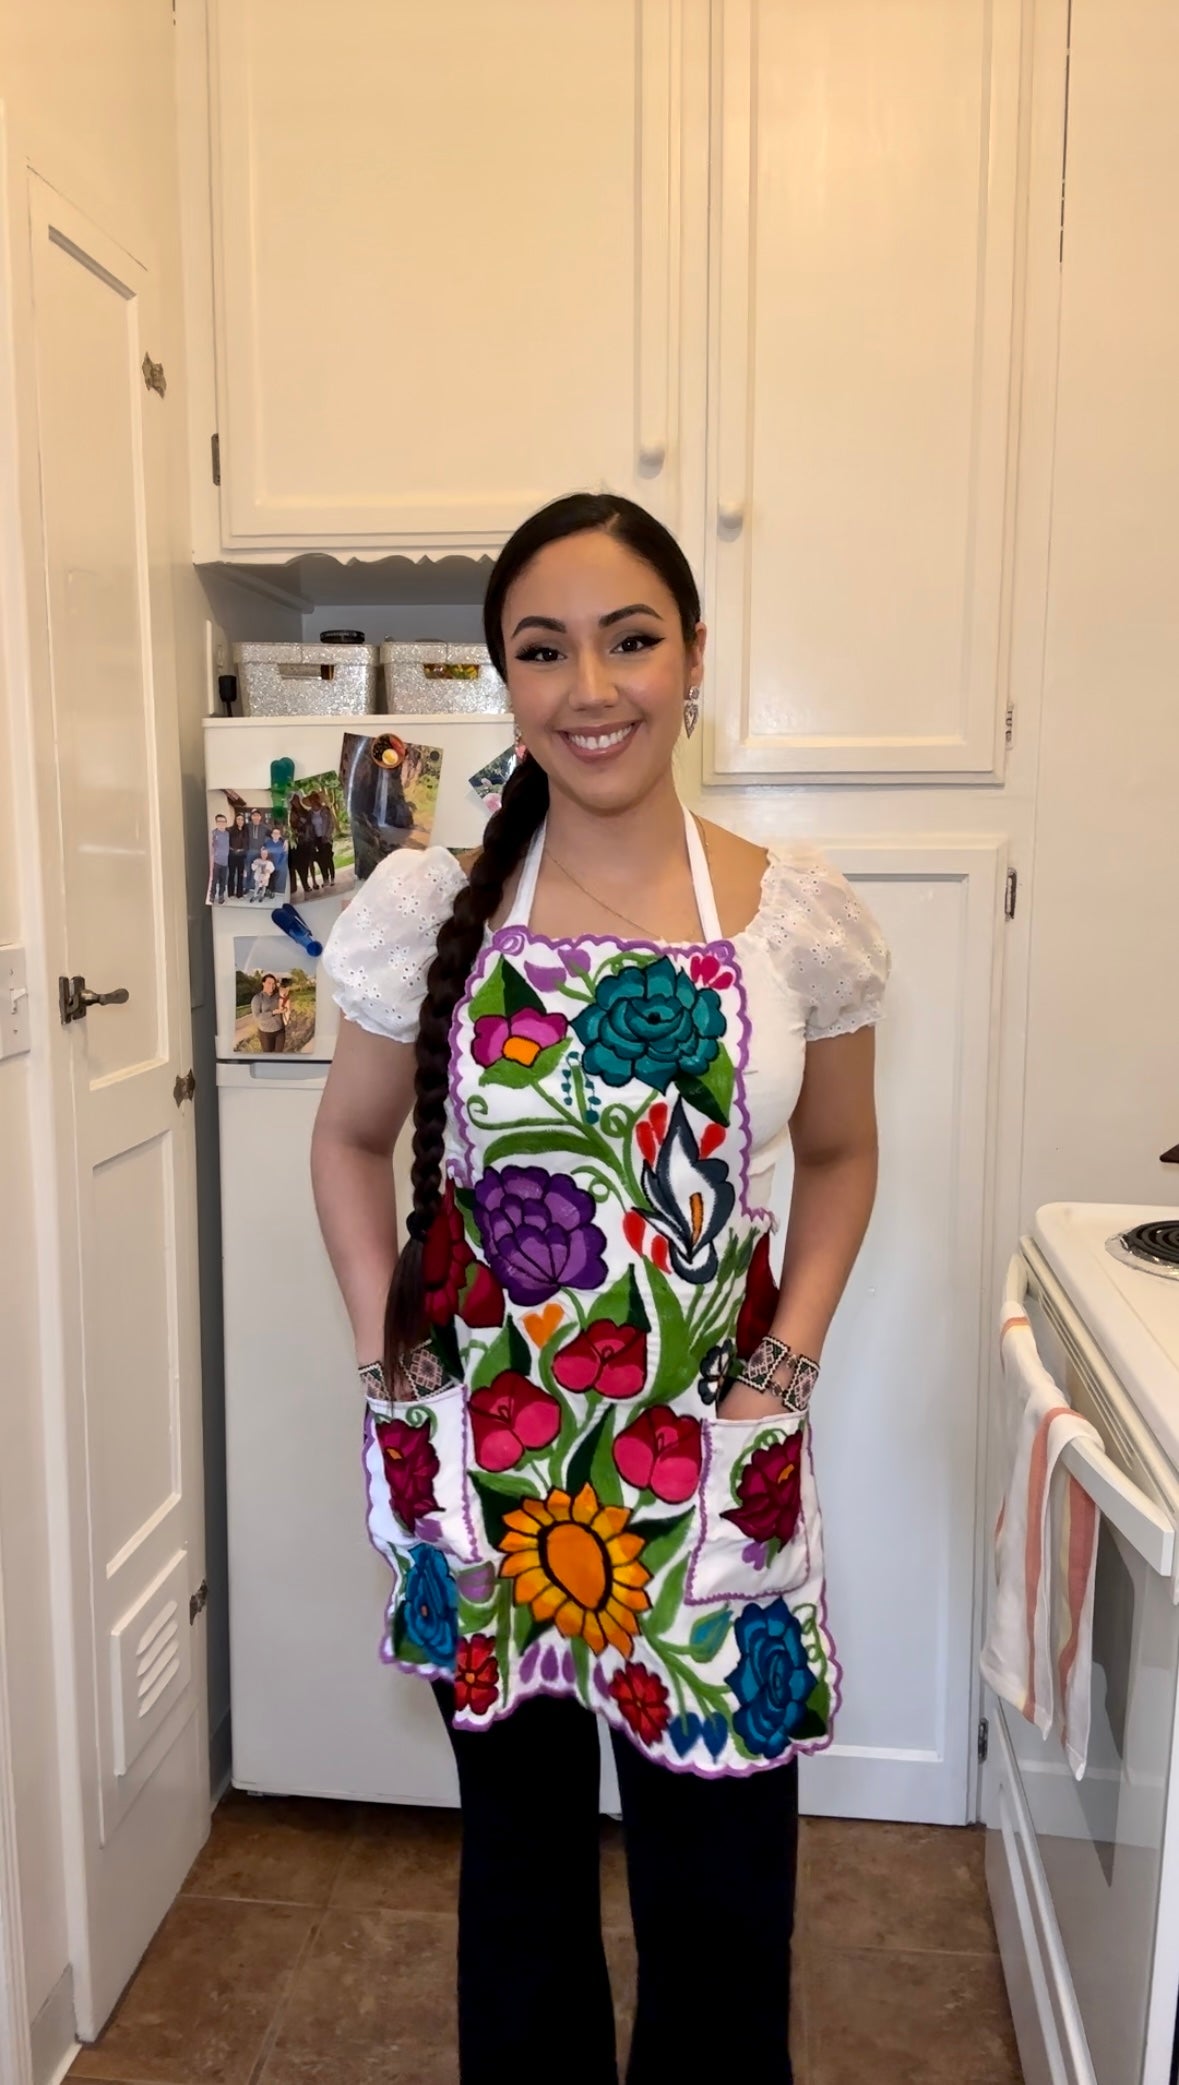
[(415, 1458), (757, 1509)]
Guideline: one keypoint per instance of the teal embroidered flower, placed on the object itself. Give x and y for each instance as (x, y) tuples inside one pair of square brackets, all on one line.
[(649, 1021)]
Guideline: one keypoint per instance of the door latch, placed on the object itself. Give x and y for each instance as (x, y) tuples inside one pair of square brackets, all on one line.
[(184, 1088), (74, 999)]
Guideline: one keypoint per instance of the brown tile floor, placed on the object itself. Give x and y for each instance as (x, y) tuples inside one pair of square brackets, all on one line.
[(314, 1942)]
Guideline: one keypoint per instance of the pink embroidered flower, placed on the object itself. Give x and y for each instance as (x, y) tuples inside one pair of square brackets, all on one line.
[(770, 1491), (511, 1418), (411, 1465), (608, 1358), (660, 1452), (520, 1040)]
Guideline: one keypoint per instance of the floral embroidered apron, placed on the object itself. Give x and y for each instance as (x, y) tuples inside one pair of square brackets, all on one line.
[(568, 1514)]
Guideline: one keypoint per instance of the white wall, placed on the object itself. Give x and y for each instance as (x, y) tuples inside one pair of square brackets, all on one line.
[(1103, 1061)]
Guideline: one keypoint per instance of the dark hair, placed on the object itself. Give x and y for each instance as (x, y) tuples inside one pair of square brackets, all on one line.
[(269, 974), (505, 841)]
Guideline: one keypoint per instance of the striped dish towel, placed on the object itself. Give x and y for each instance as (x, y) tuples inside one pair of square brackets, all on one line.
[(1039, 1647)]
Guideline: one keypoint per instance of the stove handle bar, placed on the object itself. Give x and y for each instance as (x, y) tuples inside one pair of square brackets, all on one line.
[(1145, 1526)]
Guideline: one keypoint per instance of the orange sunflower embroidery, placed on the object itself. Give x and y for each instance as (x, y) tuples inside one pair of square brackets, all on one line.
[(574, 1564)]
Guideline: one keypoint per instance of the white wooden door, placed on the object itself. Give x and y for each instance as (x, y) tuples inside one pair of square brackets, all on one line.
[(896, 1416), (864, 276), (125, 1143), (445, 257)]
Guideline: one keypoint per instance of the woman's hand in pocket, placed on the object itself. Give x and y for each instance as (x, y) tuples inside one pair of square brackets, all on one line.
[(740, 1401)]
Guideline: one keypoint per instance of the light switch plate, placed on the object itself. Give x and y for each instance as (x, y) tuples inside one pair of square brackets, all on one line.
[(14, 1003)]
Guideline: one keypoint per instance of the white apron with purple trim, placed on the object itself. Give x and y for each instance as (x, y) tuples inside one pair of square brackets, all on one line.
[(568, 1515)]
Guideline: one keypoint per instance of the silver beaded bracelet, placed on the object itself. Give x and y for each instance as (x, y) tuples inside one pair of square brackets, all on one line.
[(777, 1368)]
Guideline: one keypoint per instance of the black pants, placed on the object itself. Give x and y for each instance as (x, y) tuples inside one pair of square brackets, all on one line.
[(237, 873), (710, 1868)]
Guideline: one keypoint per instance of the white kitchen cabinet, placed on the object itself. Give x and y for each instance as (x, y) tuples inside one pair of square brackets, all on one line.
[(865, 206), (445, 250)]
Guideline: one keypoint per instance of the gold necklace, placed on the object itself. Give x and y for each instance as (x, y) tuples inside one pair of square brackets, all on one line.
[(604, 903)]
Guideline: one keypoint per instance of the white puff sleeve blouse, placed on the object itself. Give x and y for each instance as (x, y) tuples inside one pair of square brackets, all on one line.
[(381, 947), (811, 939)]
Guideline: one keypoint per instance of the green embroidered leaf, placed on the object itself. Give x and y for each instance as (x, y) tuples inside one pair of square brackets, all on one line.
[(603, 1473), (489, 999), (671, 1593), (465, 1199), (444, 1341), (810, 1727), (622, 1303), (539, 1142), (583, 1456), (712, 1095), (707, 1635), (526, 1629), (519, 1352), (505, 1073), (494, 1359), (496, 1504), (677, 1362), (519, 996), (661, 1538), (581, 1656), (819, 1703), (404, 1646)]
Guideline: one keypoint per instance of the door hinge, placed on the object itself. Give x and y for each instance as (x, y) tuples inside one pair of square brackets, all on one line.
[(153, 375), (215, 447), (199, 1601), (1009, 726), (984, 1739), (1010, 892), (184, 1088)]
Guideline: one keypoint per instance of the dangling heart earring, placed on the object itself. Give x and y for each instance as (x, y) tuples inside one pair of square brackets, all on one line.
[(691, 711)]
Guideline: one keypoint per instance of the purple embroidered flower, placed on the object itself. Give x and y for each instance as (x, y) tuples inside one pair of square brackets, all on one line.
[(538, 1233)]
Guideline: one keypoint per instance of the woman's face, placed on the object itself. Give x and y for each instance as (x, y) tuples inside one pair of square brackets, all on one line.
[(598, 668), (269, 984)]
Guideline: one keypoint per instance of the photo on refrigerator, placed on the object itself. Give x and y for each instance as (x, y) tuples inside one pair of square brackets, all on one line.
[(274, 999), (248, 852)]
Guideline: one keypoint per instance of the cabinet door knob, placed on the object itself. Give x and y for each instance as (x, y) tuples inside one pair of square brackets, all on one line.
[(731, 516), (652, 455)]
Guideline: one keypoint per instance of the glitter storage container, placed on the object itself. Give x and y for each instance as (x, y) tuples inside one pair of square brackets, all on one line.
[(451, 679), (329, 679)]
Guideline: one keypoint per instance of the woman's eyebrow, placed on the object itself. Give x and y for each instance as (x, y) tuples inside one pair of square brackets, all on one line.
[(616, 615)]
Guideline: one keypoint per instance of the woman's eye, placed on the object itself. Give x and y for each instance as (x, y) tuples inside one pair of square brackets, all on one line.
[(637, 641), (538, 654)]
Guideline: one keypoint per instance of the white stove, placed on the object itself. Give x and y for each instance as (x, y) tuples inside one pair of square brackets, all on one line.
[(1084, 1875), (1131, 1314)]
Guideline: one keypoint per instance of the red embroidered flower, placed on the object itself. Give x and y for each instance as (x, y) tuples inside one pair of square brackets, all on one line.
[(642, 1697), (476, 1674), (483, 1303), (707, 969), (446, 1261), (770, 1491), (608, 1358), (511, 1418), (660, 1452), (411, 1466), (760, 1300)]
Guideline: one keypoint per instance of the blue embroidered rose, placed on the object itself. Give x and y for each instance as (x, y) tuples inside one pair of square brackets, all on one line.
[(430, 1612), (649, 1021), (772, 1680)]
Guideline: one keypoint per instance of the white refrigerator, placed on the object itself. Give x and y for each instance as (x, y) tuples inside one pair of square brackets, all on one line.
[(314, 1710)]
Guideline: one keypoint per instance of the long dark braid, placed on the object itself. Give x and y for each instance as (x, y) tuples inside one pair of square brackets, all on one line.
[(505, 841)]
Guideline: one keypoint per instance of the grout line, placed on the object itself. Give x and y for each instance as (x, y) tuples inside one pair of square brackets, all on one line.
[(270, 2036)]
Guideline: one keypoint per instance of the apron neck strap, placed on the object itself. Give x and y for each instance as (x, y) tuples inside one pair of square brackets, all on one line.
[(521, 912)]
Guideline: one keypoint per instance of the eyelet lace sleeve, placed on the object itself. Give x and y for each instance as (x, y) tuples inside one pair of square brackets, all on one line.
[(382, 945), (823, 940)]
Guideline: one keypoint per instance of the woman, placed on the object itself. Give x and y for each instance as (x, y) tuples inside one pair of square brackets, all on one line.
[(239, 845), (586, 1452), (301, 847), (324, 831), (271, 1014)]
